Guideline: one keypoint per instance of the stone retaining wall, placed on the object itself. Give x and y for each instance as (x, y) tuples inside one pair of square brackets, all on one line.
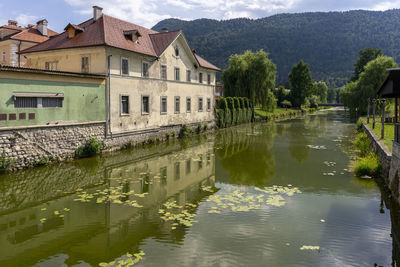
[(28, 146), (384, 154)]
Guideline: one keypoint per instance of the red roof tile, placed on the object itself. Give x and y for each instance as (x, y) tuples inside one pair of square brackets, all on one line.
[(111, 31), (162, 40), (33, 35)]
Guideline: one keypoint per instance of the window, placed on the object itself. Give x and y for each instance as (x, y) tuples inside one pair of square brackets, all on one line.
[(209, 78), (188, 166), (208, 104), (177, 171), (85, 64), (200, 77), (51, 102), (124, 66), (25, 102), (145, 69), (177, 74), (124, 104), (51, 65), (176, 51), (177, 104), (38, 102), (188, 104), (145, 104), (163, 72), (188, 76), (4, 56), (200, 104), (163, 105)]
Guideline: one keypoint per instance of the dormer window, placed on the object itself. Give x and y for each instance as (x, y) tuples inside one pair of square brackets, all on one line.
[(176, 51), (132, 35), (72, 30)]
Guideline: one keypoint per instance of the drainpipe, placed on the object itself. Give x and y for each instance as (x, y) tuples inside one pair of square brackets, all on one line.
[(108, 97)]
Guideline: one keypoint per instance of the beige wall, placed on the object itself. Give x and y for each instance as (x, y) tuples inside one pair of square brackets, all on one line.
[(70, 59), (11, 49)]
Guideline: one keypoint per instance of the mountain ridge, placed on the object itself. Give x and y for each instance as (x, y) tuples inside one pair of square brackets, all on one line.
[(328, 41)]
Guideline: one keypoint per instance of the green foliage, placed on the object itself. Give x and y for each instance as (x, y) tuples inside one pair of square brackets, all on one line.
[(185, 131), (128, 145), (363, 144), (233, 114), (6, 163), (281, 94), (205, 127), (250, 75), (199, 128), (301, 83), (41, 162), (329, 41), (222, 103), (366, 55), (368, 165), (355, 94), (91, 148), (313, 100), (321, 90), (359, 126), (333, 95), (286, 104)]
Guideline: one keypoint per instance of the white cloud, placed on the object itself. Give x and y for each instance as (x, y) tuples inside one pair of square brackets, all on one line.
[(386, 5), (24, 19)]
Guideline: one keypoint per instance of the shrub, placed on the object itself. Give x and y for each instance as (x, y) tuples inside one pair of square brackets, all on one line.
[(91, 148), (199, 127), (313, 100), (6, 163), (363, 144), (128, 145), (242, 104), (359, 126), (286, 104), (222, 103), (368, 165), (185, 131), (41, 162), (205, 127)]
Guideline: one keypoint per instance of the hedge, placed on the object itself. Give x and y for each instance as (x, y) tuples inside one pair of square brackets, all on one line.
[(232, 111)]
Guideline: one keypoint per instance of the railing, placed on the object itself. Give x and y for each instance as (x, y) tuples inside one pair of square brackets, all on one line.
[(397, 133)]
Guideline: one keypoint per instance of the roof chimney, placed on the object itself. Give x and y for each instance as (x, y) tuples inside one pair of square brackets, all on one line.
[(164, 29), (97, 12), (42, 26), (12, 22)]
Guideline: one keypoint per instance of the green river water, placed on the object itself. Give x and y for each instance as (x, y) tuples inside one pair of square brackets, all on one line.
[(251, 195)]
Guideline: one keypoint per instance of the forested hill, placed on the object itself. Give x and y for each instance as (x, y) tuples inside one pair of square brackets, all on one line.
[(328, 41)]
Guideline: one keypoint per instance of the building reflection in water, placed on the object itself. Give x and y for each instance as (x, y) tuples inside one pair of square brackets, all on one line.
[(90, 231)]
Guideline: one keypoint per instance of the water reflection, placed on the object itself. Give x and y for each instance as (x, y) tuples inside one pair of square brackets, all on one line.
[(92, 232)]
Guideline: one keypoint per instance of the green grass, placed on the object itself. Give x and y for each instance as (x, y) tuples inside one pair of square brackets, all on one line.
[(389, 132), (368, 165), (278, 111)]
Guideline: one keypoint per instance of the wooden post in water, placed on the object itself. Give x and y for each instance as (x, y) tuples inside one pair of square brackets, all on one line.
[(373, 112), (383, 119), (369, 103)]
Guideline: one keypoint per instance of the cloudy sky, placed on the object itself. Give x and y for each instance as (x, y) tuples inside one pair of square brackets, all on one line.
[(148, 12)]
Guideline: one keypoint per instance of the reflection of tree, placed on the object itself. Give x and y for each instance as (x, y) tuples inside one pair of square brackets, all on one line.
[(245, 153), (303, 133)]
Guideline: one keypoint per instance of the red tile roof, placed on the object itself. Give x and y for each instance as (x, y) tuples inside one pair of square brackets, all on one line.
[(110, 31), (162, 40), (33, 35)]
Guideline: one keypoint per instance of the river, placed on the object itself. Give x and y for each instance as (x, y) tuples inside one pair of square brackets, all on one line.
[(264, 194)]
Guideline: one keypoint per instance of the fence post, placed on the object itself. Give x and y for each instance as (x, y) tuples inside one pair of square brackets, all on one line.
[(369, 103), (373, 112), (383, 119)]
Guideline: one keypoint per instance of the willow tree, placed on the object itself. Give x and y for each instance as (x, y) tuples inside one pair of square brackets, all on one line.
[(251, 75)]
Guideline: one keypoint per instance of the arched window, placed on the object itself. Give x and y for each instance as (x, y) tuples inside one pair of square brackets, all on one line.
[(176, 51)]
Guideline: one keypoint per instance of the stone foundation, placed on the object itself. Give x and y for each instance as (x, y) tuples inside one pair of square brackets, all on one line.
[(28, 146)]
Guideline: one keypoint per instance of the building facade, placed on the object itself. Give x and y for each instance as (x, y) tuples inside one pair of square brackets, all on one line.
[(154, 79), (14, 38)]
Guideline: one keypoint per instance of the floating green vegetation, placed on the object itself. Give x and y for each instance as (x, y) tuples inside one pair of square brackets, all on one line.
[(112, 195), (179, 215), (238, 201), (126, 260), (310, 248)]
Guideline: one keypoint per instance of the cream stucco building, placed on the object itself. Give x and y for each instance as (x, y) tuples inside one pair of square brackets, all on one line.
[(154, 79)]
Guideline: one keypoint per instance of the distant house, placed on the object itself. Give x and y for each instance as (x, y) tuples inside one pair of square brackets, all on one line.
[(219, 91), (14, 38), (154, 79)]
